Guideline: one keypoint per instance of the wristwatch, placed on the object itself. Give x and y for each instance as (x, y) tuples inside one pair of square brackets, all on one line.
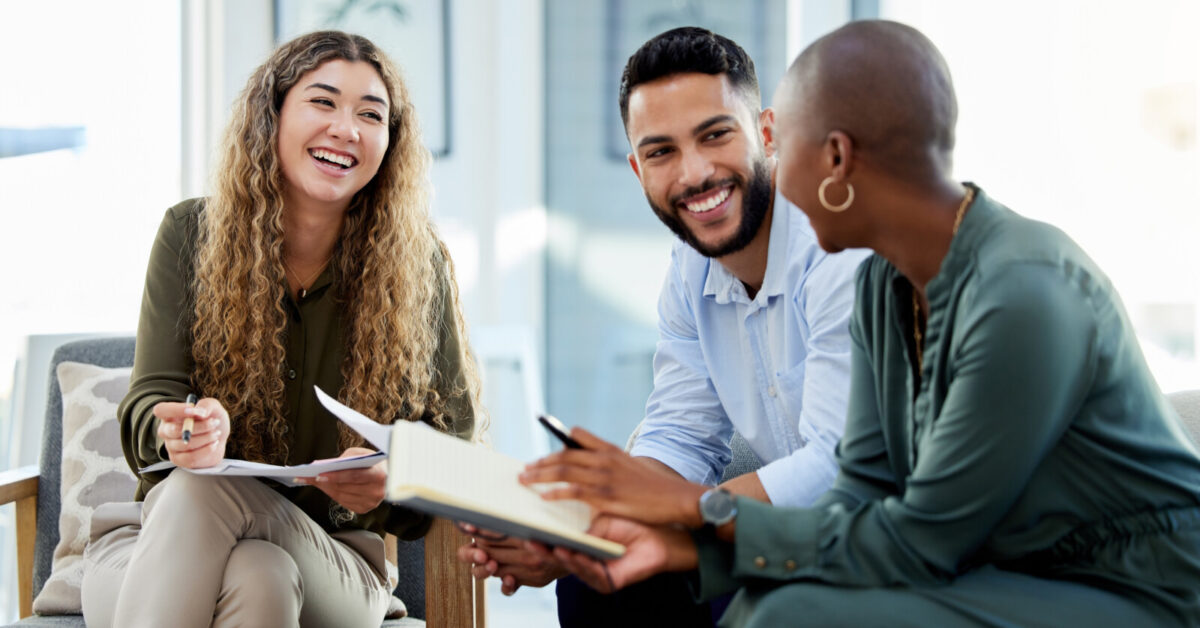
[(717, 507)]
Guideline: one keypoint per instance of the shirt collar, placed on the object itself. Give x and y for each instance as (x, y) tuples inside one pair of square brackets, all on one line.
[(975, 224), (724, 287)]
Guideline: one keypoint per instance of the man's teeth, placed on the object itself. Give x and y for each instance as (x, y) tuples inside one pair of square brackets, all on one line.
[(344, 161), (705, 205)]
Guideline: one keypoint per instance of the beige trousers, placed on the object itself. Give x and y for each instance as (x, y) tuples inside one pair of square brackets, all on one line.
[(227, 552)]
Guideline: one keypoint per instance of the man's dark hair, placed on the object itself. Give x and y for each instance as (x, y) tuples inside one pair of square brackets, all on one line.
[(684, 50)]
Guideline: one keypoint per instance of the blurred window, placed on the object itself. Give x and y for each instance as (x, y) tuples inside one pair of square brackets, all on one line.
[(1083, 114), (89, 161)]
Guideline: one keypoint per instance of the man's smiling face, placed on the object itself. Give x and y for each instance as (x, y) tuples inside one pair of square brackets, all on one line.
[(698, 154)]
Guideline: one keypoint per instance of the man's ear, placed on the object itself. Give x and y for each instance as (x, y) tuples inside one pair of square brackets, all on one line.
[(766, 128), (633, 163)]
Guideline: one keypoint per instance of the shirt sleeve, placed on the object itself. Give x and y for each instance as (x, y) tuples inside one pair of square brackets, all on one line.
[(864, 472), (826, 300), (1020, 370), (162, 363), (686, 427)]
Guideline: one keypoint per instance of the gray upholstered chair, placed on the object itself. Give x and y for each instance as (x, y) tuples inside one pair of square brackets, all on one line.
[(440, 590), (1187, 404)]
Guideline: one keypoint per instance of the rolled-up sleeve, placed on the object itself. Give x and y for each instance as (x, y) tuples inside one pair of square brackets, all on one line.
[(686, 427)]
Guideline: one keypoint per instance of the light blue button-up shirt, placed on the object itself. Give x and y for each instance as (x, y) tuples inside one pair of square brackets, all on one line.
[(776, 368)]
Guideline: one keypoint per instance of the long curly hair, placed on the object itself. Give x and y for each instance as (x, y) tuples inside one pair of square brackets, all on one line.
[(388, 265)]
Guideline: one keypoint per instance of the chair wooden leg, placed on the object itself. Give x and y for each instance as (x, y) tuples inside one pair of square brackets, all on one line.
[(450, 600), (26, 533), (480, 604)]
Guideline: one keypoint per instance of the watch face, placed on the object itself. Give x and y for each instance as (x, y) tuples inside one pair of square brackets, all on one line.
[(717, 506)]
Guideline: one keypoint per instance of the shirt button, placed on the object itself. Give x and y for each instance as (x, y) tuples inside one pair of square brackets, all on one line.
[(790, 565), (291, 373), (760, 562), (771, 391)]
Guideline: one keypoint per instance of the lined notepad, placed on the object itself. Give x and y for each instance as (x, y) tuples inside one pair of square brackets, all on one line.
[(439, 474)]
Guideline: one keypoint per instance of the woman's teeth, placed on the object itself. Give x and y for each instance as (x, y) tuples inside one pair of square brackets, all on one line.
[(344, 161)]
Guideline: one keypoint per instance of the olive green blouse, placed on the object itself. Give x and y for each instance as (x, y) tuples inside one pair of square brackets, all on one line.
[(1034, 435), (163, 366)]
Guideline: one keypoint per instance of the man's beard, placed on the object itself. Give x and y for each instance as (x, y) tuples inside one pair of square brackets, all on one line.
[(756, 200)]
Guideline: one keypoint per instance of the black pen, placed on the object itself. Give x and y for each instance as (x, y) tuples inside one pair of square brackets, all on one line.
[(188, 422), (556, 427)]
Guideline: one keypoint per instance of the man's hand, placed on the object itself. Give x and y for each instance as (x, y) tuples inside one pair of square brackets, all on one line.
[(508, 559), (613, 482), (359, 490), (648, 551), (210, 432)]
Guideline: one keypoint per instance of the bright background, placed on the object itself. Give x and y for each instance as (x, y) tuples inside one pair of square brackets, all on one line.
[(1082, 114)]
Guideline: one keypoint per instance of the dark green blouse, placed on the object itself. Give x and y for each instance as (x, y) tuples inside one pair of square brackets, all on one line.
[(1034, 436), (163, 365)]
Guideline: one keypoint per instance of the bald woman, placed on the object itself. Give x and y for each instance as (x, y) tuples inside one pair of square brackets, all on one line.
[(1008, 459)]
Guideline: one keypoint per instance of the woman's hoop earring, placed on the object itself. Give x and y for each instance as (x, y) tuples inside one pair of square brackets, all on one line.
[(835, 208)]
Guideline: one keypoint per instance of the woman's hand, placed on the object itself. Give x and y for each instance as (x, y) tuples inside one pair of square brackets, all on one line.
[(491, 554), (648, 551), (210, 432), (359, 490)]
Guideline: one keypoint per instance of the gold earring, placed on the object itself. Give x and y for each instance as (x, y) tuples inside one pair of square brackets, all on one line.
[(835, 208)]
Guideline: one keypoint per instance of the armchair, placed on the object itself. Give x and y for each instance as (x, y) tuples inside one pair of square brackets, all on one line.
[(439, 591)]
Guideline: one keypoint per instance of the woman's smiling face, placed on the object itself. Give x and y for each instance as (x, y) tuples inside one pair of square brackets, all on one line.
[(333, 133)]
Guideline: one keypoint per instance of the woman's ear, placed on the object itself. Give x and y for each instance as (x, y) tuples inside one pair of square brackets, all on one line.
[(838, 155)]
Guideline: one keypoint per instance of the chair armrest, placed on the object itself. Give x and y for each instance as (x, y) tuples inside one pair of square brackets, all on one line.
[(21, 485), (452, 597), (18, 483)]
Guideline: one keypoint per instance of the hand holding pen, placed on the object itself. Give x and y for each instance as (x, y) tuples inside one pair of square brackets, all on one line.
[(189, 422), (611, 481), (193, 432)]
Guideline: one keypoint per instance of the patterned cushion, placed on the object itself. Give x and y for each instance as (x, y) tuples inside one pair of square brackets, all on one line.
[(94, 472)]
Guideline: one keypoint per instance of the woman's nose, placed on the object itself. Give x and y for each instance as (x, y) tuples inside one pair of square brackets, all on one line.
[(344, 127)]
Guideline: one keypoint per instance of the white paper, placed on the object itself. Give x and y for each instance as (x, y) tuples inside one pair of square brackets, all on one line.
[(281, 474), (378, 435)]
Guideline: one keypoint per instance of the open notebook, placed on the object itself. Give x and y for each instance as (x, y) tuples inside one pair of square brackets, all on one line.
[(442, 475)]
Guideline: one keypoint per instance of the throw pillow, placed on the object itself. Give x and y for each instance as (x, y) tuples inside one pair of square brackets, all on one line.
[(94, 472)]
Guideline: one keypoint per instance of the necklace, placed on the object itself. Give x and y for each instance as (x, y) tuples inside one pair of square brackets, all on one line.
[(304, 285), (917, 335)]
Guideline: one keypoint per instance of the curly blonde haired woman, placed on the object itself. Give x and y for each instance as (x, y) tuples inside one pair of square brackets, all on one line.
[(314, 262)]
